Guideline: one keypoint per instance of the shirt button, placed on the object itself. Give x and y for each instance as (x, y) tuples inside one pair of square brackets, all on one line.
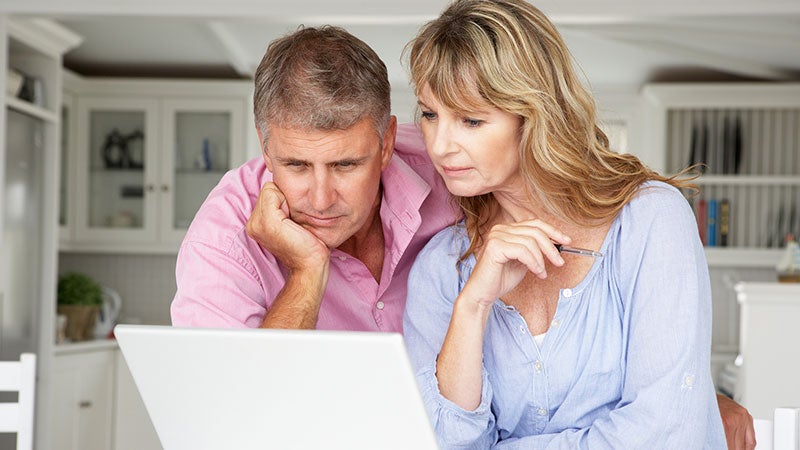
[(541, 412), (688, 381), (342, 258), (568, 292), (522, 329), (379, 305), (556, 322), (538, 366)]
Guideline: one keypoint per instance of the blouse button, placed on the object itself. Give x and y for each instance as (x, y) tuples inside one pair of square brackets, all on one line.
[(538, 366), (568, 292), (541, 412), (379, 305)]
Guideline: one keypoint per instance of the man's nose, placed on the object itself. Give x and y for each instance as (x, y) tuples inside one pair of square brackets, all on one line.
[(322, 192)]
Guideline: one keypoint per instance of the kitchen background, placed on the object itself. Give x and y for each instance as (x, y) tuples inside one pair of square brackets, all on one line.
[(159, 66)]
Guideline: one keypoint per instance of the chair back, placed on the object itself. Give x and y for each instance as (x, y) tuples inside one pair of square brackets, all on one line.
[(17, 417)]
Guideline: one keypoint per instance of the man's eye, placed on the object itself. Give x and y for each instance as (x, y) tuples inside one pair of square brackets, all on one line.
[(346, 165)]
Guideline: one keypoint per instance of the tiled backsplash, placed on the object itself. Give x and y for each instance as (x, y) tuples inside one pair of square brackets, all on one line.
[(146, 283)]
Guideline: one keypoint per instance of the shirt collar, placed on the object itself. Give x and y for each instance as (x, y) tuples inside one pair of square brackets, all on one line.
[(403, 189)]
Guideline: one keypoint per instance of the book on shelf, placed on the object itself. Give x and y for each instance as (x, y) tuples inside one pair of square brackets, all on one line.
[(701, 214), (724, 220), (717, 147), (698, 153), (714, 221), (711, 223), (731, 145)]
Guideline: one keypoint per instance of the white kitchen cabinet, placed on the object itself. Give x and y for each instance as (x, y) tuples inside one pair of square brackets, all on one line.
[(763, 189), (83, 399), (146, 154), (767, 378)]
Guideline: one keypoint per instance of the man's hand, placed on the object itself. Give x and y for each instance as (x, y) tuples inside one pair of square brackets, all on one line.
[(738, 423), (308, 259), (271, 226)]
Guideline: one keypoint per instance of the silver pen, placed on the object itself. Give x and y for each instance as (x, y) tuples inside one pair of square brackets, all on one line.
[(578, 251)]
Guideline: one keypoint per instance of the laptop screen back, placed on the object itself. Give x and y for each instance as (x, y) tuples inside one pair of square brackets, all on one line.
[(276, 389)]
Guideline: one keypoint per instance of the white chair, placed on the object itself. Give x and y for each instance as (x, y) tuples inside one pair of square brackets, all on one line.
[(17, 417), (781, 433)]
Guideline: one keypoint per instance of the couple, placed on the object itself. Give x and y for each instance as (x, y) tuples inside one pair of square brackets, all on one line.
[(515, 344)]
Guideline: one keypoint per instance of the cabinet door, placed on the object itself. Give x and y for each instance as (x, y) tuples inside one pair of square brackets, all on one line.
[(200, 140), (117, 173), (66, 181), (82, 400)]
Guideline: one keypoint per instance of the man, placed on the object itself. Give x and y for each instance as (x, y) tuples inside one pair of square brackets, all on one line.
[(341, 212), (322, 232)]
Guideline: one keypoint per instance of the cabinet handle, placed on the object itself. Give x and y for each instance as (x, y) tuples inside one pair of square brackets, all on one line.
[(164, 188), (85, 404), (151, 187)]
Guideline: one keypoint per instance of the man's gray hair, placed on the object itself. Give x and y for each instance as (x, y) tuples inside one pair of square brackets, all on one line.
[(322, 79)]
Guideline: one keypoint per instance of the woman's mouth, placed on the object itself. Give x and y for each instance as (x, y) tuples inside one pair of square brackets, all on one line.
[(454, 171)]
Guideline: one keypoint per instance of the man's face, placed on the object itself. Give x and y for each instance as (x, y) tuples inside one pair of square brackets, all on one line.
[(331, 179)]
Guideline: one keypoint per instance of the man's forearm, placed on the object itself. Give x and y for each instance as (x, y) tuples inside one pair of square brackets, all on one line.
[(297, 304)]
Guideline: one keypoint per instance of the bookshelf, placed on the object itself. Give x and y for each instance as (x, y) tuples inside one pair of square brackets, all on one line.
[(748, 137)]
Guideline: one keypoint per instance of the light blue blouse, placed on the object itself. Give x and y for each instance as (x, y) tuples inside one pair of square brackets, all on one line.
[(625, 363)]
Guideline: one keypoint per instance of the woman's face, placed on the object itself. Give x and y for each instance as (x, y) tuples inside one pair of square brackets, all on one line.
[(475, 153)]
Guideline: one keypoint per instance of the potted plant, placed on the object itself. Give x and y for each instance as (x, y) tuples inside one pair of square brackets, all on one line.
[(79, 298)]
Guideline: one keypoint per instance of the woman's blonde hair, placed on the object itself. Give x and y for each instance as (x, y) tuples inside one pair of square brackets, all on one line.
[(514, 58)]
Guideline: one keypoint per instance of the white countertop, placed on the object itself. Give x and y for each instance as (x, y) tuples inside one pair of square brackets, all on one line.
[(85, 346)]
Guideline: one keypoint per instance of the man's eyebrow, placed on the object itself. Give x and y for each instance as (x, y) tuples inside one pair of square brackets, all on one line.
[(284, 160), (357, 160), (351, 160)]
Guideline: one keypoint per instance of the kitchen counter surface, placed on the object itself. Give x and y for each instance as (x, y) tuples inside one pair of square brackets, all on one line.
[(86, 346)]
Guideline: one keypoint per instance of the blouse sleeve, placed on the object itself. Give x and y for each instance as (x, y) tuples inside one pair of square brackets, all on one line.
[(433, 284)]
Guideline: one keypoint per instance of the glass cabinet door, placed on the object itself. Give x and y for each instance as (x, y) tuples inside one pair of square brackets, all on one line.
[(201, 134), (116, 199)]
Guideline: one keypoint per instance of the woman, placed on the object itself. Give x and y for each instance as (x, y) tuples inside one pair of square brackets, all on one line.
[(519, 345)]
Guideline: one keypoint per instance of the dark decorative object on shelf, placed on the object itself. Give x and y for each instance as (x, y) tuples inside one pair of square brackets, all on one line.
[(116, 153), (32, 90)]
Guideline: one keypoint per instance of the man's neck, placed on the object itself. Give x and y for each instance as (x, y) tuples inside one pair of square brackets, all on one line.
[(367, 245)]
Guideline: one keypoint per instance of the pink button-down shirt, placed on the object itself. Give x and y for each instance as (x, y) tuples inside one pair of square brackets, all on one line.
[(225, 279)]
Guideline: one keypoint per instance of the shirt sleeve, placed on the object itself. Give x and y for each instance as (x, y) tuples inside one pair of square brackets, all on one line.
[(217, 288), (433, 285), (668, 398)]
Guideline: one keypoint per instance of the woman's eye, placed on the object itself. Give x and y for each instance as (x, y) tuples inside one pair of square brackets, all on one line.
[(427, 115), (473, 122)]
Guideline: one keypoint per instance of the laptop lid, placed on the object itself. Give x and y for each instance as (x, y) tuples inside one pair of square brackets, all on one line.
[(276, 389)]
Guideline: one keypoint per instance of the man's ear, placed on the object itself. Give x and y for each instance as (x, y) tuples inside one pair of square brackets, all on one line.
[(389, 137), (261, 142)]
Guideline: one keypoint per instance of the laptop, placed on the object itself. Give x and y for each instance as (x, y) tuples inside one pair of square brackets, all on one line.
[(276, 389)]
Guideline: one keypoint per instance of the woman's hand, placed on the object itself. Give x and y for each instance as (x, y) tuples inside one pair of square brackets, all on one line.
[(509, 252)]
